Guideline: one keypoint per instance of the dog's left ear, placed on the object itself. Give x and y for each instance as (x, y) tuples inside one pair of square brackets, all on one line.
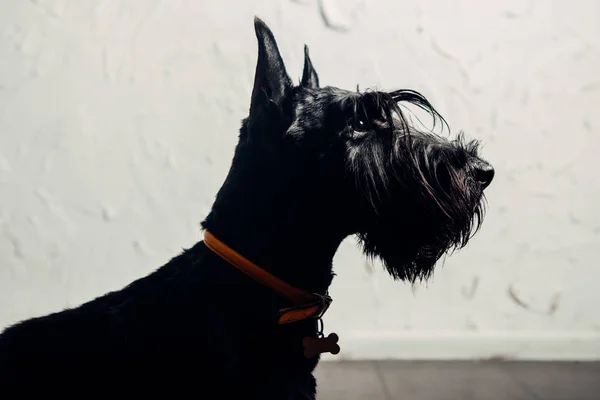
[(310, 79), (271, 81)]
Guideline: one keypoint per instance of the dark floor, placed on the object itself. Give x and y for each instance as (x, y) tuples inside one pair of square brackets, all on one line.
[(430, 380)]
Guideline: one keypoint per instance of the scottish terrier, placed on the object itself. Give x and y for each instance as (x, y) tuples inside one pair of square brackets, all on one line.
[(238, 314)]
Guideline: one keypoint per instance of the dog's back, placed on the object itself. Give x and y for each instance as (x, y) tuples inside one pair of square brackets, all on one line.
[(110, 332)]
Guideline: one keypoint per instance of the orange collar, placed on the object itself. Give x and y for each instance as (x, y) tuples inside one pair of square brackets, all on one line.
[(306, 305)]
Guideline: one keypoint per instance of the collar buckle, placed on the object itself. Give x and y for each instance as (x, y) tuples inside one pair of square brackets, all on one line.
[(314, 309)]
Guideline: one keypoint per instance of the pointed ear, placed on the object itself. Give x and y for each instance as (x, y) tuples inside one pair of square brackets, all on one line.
[(271, 80), (310, 79)]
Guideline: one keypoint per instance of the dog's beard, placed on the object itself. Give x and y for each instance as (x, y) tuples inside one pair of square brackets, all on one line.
[(419, 197), (411, 241)]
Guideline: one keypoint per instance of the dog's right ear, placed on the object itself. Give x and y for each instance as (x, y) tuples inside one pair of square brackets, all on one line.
[(310, 79), (271, 81)]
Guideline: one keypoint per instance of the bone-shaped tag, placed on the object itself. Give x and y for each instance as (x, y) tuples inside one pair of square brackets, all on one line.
[(314, 346)]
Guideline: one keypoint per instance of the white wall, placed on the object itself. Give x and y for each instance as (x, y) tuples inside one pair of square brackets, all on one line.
[(118, 120)]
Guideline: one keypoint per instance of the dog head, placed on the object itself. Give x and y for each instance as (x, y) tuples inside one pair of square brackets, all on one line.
[(352, 160)]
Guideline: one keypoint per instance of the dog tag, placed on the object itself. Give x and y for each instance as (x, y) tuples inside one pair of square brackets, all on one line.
[(314, 346)]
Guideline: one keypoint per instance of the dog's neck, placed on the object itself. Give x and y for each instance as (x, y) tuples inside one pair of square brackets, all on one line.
[(288, 241)]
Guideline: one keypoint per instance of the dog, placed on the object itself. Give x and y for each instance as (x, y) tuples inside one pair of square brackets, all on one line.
[(239, 314)]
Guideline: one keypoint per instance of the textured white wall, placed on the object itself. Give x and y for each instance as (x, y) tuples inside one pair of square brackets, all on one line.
[(118, 120)]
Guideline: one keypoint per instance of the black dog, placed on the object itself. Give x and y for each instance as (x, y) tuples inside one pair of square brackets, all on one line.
[(313, 166)]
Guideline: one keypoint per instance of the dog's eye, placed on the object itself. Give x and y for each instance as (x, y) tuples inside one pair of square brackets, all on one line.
[(359, 125)]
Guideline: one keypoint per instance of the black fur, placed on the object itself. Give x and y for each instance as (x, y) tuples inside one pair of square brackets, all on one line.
[(313, 166)]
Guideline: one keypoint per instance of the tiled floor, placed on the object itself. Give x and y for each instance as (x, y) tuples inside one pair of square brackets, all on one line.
[(449, 380)]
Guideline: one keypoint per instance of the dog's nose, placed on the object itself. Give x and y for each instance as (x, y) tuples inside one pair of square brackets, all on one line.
[(484, 173)]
